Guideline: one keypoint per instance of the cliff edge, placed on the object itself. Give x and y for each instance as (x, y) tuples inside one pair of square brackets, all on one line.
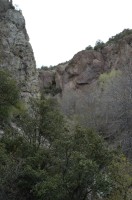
[(16, 54)]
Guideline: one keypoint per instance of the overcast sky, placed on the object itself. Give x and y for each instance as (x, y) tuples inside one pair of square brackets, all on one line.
[(60, 28)]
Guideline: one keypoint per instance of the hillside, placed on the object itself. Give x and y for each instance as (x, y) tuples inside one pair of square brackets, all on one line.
[(65, 131), (94, 88)]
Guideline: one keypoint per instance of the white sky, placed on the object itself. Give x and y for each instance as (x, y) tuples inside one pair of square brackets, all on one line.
[(60, 28)]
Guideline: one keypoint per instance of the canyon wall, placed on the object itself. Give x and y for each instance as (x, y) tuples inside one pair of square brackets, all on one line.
[(16, 54)]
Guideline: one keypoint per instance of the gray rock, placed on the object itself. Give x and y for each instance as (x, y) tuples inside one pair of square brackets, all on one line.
[(16, 54)]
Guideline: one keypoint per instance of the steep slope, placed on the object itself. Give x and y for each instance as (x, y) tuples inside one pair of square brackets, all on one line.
[(80, 87), (83, 70), (16, 53)]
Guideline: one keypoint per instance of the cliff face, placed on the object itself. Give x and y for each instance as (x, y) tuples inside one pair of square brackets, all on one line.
[(81, 73), (76, 85), (16, 53)]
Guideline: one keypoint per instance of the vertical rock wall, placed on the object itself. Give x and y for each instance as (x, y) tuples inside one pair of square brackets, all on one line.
[(16, 54)]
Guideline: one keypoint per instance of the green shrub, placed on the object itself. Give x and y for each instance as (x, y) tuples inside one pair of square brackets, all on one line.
[(89, 48), (99, 45), (9, 95), (119, 36), (106, 77)]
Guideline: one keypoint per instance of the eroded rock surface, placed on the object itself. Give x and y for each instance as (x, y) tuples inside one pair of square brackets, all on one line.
[(16, 53), (79, 76)]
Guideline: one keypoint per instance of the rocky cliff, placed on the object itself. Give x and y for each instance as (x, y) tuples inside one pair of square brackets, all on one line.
[(16, 54), (76, 85), (81, 73)]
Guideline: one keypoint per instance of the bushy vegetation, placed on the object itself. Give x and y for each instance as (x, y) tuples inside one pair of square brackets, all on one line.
[(9, 95), (52, 90), (46, 68), (44, 157), (107, 77), (119, 36), (89, 47), (99, 45)]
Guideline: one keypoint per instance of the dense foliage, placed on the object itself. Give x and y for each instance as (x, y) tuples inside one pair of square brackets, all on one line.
[(9, 95), (99, 45), (44, 157)]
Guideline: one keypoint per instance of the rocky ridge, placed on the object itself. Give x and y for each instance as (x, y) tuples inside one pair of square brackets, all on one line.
[(81, 73)]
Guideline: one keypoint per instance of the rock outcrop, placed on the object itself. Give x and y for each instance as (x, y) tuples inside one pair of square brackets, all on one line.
[(16, 54), (80, 96), (78, 76)]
